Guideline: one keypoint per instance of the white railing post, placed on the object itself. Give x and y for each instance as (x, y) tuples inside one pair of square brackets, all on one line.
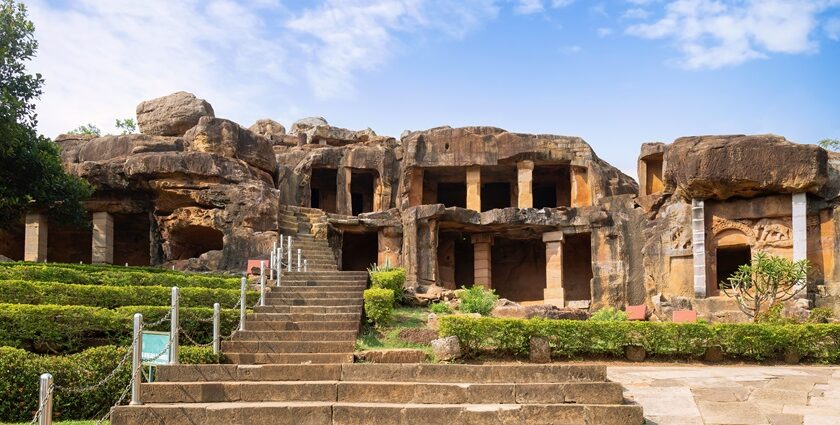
[(279, 271), (262, 283), (45, 400), (242, 302), (271, 265), (305, 263), (217, 327), (298, 263), (137, 360), (289, 249), (174, 327)]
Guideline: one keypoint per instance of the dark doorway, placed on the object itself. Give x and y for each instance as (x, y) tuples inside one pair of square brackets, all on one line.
[(192, 241), (361, 191), (728, 259), (495, 195), (12, 242), (552, 186), (132, 239), (464, 262), (359, 251), (455, 260), (452, 194), (323, 185), (577, 267), (518, 268), (67, 244), (545, 195)]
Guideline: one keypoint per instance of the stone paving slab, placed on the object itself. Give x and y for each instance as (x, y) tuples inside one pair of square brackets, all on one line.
[(755, 395)]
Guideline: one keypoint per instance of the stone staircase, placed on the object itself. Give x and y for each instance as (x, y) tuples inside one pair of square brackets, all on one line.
[(381, 394), (299, 223)]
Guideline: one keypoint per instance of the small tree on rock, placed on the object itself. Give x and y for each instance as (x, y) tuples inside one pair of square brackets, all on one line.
[(765, 282)]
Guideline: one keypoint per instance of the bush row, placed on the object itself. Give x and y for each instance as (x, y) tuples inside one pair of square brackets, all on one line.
[(91, 268), (393, 279), (50, 273), (21, 369), (35, 292), (816, 342), (65, 329)]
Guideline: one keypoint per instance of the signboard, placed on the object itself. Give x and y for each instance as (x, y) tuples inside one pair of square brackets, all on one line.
[(153, 344)]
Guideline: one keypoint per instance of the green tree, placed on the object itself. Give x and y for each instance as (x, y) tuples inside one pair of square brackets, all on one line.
[(830, 144), (767, 281), (31, 173), (126, 125), (86, 129)]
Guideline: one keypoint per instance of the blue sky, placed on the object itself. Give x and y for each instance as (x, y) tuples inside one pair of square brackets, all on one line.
[(617, 73)]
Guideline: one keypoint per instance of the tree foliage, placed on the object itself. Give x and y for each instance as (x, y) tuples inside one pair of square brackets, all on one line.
[(127, 125), (830, 144), (86, 129), (31, 173), (766, 281)]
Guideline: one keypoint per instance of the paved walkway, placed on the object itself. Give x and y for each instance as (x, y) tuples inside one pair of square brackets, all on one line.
[(698, 394)]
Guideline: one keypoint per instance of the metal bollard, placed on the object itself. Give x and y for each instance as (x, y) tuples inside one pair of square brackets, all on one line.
[(174, 327), (271, 266), (298, 263), (137, 360), (217, 327), (289, 249), (262, 283), (45, 400), (279, 266), (242, 302)]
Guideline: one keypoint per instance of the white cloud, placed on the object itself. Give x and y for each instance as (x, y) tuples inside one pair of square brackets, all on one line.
[(635, 13), (715, 33), (604, 32), (832, 29), (527, 7)]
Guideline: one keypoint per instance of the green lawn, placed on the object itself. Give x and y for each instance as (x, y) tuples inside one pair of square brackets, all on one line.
[(388, 336)]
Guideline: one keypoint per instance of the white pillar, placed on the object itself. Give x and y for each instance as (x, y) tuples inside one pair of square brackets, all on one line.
[(102, 249), (698, 246), (35, 241)]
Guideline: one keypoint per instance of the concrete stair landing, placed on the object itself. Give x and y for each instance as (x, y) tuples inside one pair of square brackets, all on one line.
[(381, 394)]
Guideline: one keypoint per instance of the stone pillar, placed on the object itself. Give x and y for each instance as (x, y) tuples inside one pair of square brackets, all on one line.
[(581, 192), (698, 246), (474, 188), (102, 249), (344, 200), (390, 243), (483, 268), (799, 220), (525, 180), (35, 239), (415, 191), (553, 292)]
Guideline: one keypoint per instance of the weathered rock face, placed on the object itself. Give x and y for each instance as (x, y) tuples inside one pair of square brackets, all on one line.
[(721, 167), (270, 129), (317, 131), (171, 115), (228, 139)]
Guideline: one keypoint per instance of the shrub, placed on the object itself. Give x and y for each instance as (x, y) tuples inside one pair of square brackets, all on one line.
[(63, 329), (113, 276), (35, 292), (767, 281), (19, 380), (392, 279), (817, 342), (821, 315), (379, 305), (440, 308), (609, 314), (477, 300)]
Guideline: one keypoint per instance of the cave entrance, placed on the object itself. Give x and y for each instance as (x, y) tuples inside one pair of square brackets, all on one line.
[(577, 267), (445, 185), (12, 242), (132, 239), (69, 244), (456, 267), (322, 184), (518, 268), (193, 240), (359, 250), (362, 190), (497, 184), (653, 174), (552, 186), (728, 259)]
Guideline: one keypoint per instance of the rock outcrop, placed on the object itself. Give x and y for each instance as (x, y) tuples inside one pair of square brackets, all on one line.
[(171, 115)]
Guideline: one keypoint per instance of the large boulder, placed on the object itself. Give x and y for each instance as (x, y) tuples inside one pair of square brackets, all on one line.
[(721, 167), (226, 138), (171, 115), (270, 129)]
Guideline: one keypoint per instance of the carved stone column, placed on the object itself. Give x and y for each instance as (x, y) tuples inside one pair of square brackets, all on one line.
[(482, 243), (553, 292), (35, 238), (102, 245), (525, 180), (474, 188)]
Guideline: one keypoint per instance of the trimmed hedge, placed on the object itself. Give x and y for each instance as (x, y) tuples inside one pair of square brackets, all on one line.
[(90, 268), (65, 329), (392, 279), (19, 372), (34, 292), (379, 305), (127, 277), (753, 341)]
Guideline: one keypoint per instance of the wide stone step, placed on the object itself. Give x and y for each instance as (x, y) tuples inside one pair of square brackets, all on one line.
[(379, 392), (311, 300), (453, 373), (314, 292), (295, 336), (348, 285), (304, 317), (287, 346), (306, 309), (321, 413), (344, 325), (288, 358), (233, 372)]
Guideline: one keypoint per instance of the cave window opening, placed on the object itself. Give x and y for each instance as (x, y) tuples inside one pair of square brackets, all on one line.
[(577, 267), (192, 241), (323, 183), (728, 259), (359, 250)]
